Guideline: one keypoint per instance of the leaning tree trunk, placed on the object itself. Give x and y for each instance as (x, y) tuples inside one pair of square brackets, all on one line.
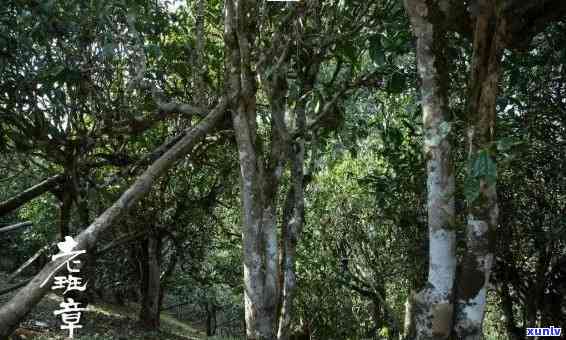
[(21, 304), (433, 305), (482, 216)]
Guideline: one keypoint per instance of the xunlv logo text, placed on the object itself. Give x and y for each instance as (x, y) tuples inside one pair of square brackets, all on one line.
[(548, 331)]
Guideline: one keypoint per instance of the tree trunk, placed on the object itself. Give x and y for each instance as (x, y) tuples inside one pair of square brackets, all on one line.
[(65, 210), (20, 305), (210, 318), (409, 330), (293, 222), (473, 278), (166, 275), (433, 304), (143, 269), (151, 290), (200, 74), (513, 332), (89, 268), (258, 182), (259, 237)]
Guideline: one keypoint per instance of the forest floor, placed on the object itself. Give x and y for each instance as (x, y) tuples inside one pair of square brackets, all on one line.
[(101, 321)]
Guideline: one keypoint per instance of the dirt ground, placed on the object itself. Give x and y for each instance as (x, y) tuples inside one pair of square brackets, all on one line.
[(100, 321)]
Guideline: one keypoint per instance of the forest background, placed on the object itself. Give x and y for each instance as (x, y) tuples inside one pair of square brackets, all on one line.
[(326, 170)]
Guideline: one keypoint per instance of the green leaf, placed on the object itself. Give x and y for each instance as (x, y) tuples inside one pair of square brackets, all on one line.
[(504, 144), (444, 129), (57, 70), (376, 51), (153, 50), (483, 165), (108, 50), (268, 71), (348, 50), (317, 107), (471, 188), (396, 83)]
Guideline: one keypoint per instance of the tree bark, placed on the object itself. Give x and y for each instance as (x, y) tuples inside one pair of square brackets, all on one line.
[(293, 222), (89, 268), (143, 270), (14, 287), (151, 292), (513, 332), (65, 210), (473, 278), (199, 76), (433, 304), (290, 235), (409, 328), (258, 182), (19, 306), (210, 318), (28, 194)]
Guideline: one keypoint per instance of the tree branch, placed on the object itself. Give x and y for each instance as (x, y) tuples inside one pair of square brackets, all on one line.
[(15, 226), (29, 194), (29, 261), (120, 241)]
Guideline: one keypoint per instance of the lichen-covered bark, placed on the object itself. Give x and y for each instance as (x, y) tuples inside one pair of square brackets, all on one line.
[(259, 174), (433, 305), (495, 25), (482, 210)]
